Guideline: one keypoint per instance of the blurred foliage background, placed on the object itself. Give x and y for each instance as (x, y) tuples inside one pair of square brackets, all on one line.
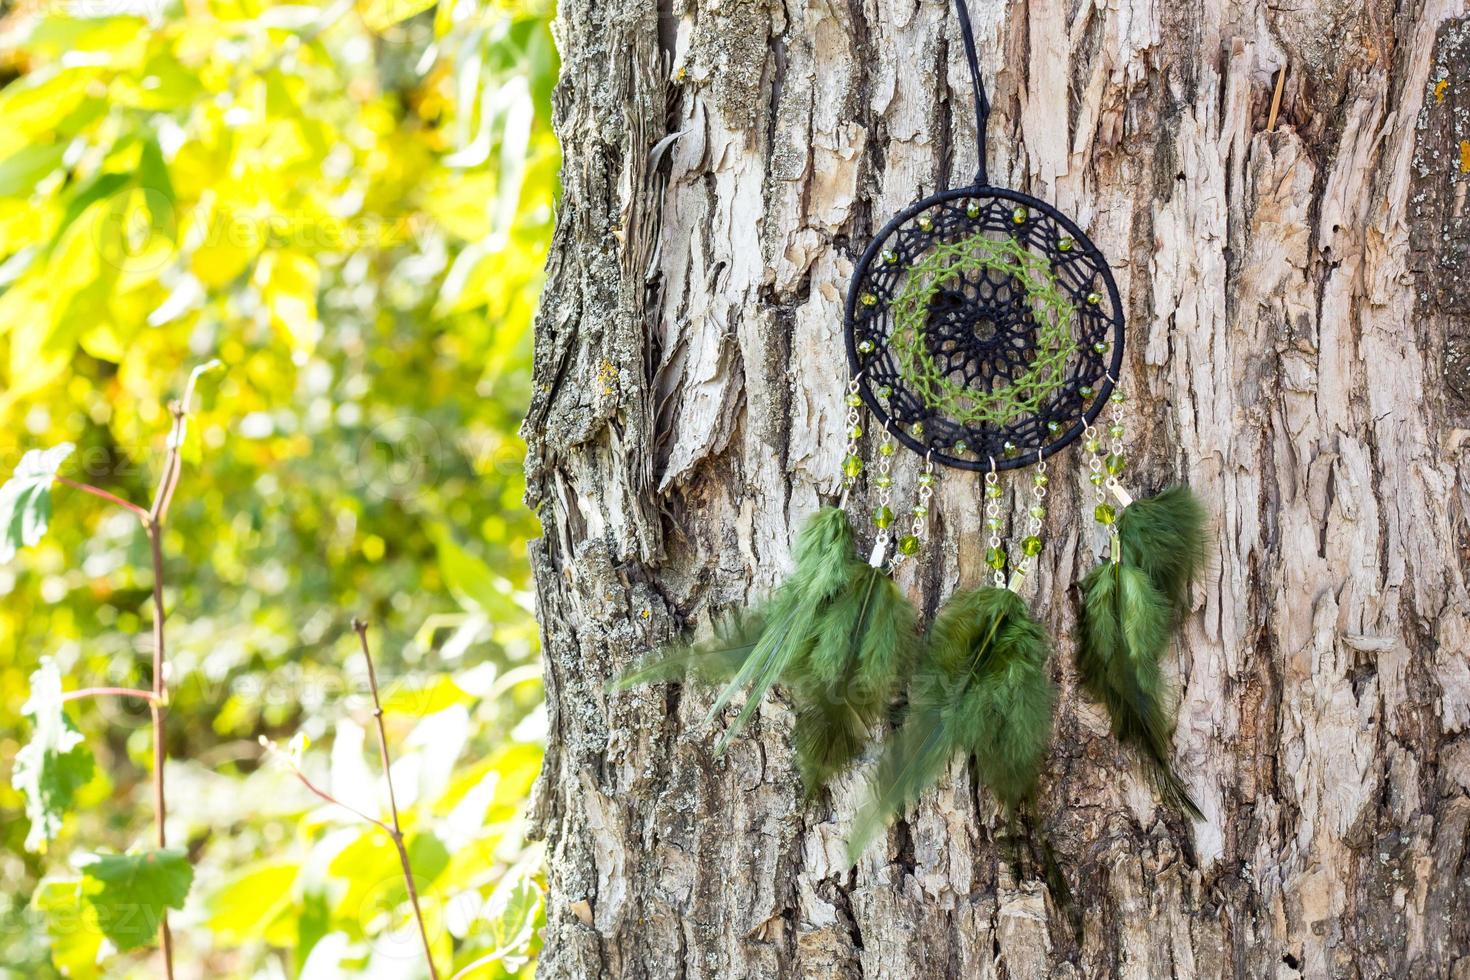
[(348, 205)]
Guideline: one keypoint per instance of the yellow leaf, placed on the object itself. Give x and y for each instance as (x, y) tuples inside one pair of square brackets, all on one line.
[(289, 282), (227, 241), (379, 15), (104, 342), (71, 926), (25, 310), (31, 105), (247, 907)]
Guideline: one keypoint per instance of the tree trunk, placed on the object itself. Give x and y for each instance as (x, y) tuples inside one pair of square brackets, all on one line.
[(1299, 331)]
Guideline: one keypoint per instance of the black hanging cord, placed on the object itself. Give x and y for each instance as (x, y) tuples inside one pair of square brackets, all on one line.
[(982, 104)]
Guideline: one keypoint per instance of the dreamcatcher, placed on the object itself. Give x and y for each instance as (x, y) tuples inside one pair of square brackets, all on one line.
[(984, 332)]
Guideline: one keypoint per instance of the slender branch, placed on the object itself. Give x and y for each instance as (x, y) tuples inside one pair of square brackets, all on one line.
[(99, 692), (168, 482), (397, 833), (173, 464), (329, 798), (127, 505), (157, 711)]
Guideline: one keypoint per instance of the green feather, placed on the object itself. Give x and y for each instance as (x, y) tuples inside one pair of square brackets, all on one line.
[(866, 638), (1125, 630), (714, 661), (982, 689), (837, 631), (1003, 709), (823, 570), (913, 758), (1166, 536), (829, 733)]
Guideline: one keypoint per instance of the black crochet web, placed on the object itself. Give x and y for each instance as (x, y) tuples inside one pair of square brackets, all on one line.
[(983, 330)]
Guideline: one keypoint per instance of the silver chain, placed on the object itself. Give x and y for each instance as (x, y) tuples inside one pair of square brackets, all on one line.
[(993, 522), (925, 492), (1035, 516), (854, 424), (885, 487)]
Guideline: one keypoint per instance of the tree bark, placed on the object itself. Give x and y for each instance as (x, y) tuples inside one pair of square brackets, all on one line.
[(1298, 293)]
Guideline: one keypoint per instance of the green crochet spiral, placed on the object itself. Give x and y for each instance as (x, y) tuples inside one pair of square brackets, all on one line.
[(1053, 313)]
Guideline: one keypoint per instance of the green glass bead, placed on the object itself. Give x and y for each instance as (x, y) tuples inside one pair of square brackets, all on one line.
[(1031, 545), (1064, 244), (854, 401), (884, 482), (992, 490), (884, 392), (1038, 512), (1116, 430), (962, 447), (890, 257), (1117, 397), (1053, 427), (852, 466), (1094, 298), (973, 211), (1092, 445), (1096, 479), (1041, 479), (856, 432), (917, 429), (908, 545), (1019, 216), (992, 523), (1104, 513), (927, 479), (866, 347), (1100, 347), (885, 448), (921, 511), (995, 558), (1009, 448), (868, 299), (883, 516), (926, 223), (1114, 463), (1085, 391)]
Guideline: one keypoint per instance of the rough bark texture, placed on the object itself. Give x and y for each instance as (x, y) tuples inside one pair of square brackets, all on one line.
[(1299, 303)]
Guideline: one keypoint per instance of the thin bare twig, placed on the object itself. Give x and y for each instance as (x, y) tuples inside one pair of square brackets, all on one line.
[(172, 465), (111, 498), (168, 482), (100, 692), (329, 798), (396, 833), (1276, 98)]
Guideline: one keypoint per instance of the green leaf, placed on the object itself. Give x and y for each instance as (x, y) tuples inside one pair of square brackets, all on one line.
[(131, 892), (54, 764), (472, 581), (25, 499), (71, 927), (511, 914), (20, 172), (98, 188)]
